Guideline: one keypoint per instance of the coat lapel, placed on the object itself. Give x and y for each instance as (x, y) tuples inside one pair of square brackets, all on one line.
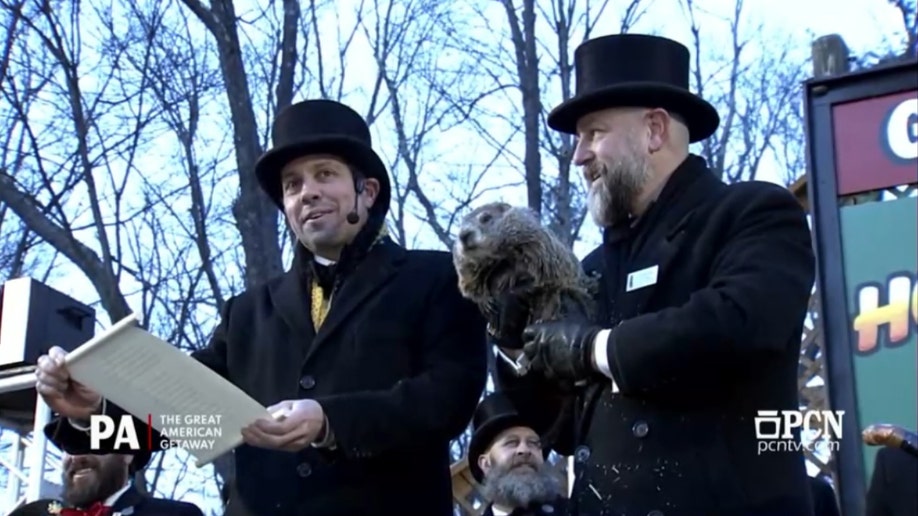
[(291, 299), (128, 503), (665, 235), (368, 277)]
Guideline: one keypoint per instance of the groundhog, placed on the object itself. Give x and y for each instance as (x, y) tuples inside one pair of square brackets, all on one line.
[(502, 247)]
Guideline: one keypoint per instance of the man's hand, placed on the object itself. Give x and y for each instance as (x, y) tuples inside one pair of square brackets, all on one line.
[(65, 396), (561, 349), (296, 425), (507, 317)]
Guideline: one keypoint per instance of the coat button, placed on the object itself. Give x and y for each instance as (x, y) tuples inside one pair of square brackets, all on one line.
[(307, 382), (548, 509), (304, 470), (582, 454), (655, 513), (640, 430)]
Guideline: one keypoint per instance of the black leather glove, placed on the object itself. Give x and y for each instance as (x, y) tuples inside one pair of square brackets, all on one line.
[(561, 349), (507, 317)]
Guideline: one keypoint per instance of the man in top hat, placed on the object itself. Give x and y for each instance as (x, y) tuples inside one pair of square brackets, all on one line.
[(506, 456), (703, 290), (100, 485), (367, 351)]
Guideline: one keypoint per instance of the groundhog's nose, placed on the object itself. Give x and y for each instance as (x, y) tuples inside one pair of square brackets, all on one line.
[(467, 237)]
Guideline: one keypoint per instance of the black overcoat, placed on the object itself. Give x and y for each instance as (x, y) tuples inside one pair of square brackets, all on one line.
[(133, 503), (695, 354), (893, 489), (398, 365)]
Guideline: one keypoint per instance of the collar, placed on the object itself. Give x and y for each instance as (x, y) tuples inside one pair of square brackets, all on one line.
[(110, 501), (323, 261), (305, 262), (688, 171), (498, 511)]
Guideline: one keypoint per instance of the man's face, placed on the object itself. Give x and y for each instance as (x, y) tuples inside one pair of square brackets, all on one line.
[(318, 195), (515, 471), (612, 149), (88, 478)]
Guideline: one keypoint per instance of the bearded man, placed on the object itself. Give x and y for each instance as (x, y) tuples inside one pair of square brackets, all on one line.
[(507, 457), (703, 290), (99, 485)]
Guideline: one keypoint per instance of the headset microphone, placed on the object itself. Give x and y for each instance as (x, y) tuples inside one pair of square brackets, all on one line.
[(353, 217)]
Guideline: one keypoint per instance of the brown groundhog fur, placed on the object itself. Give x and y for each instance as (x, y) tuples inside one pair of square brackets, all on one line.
[(502, 247)]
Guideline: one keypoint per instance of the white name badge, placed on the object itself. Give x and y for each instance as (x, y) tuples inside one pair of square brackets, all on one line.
[(642, 278)]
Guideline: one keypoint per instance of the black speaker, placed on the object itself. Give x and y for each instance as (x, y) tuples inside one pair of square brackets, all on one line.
[(34, 317)]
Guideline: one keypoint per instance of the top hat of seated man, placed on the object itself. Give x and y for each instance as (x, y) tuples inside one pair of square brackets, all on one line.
[(141, 457), (493, 415), (634, 70), (321, 127)]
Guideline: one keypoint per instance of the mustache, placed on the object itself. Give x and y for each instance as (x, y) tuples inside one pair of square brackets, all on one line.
[(594, 170), (79, 463), (523, 461)]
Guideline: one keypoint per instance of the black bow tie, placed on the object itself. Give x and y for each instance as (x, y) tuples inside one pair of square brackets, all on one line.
[(325, 276)]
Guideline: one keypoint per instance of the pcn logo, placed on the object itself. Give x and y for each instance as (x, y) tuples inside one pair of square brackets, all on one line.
[(102, 428), (775, 429)]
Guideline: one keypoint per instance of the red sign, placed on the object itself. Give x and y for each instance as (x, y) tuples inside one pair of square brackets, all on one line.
[(876, 142)]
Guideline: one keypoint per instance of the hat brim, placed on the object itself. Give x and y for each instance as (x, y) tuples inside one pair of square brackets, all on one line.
[(141, 459), (483, 437), (354, 152), (700, 116)]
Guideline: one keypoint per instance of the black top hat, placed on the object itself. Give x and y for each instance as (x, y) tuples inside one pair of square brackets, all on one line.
[(141, 457), (43, 507), (321, 127), (634, 70), (493, 415)]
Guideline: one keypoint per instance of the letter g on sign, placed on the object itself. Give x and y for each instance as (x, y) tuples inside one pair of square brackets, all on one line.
[(901, 131)]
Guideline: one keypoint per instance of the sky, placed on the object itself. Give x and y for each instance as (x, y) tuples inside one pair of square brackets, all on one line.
[(864, 24)]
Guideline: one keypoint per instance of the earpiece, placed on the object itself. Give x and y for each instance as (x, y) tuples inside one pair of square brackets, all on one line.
[(353, 217)]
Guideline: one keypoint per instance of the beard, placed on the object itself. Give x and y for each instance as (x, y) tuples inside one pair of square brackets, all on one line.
[(103, 482), (619, 184), (514, 484)]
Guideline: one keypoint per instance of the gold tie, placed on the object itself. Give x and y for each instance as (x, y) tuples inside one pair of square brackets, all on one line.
[(319, 305)]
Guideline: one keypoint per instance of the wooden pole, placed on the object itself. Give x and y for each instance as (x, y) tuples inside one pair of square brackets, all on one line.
[(830, 56)]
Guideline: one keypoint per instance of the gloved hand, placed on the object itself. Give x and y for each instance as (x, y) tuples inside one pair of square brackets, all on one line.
[(507, 317), (561, 349)]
